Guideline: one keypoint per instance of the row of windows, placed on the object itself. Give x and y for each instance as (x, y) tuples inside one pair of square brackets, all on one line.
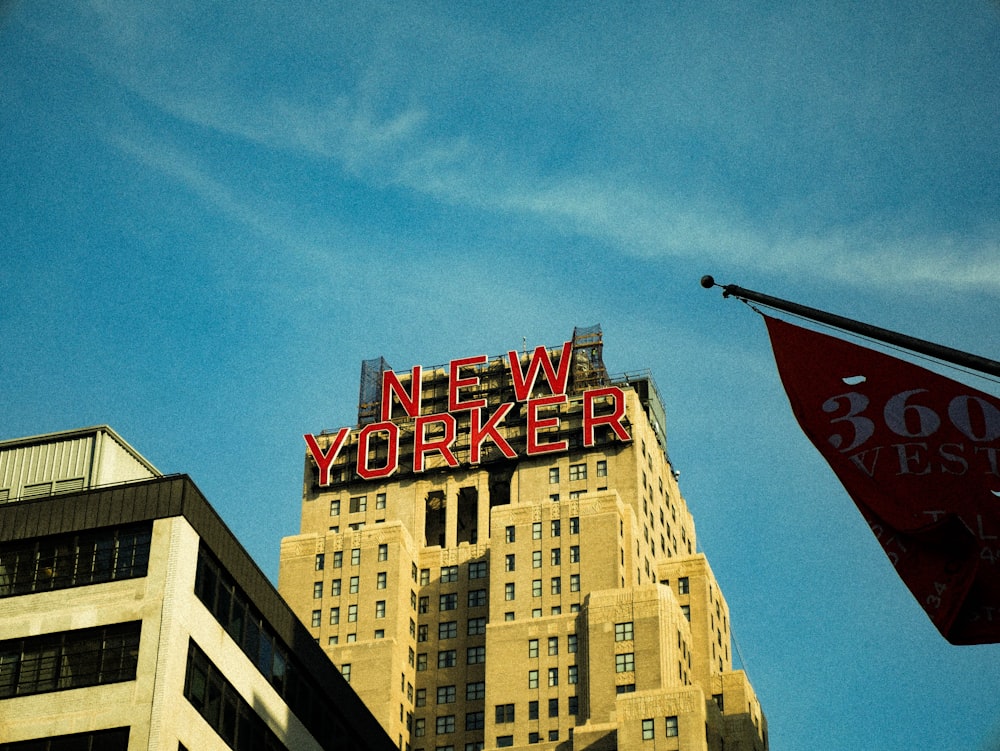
[(476, 570), (555, 587), (504, 713), (70, 659), (579, 471), (477, 598), (572, 676), (76, 560), (474, 691), (555, 558), (553, 645), (649, 727), (449, 629), (338, 557), (357, 504), (114, 739), (232, 609), (555, 529), (448, 658), (222, 707)]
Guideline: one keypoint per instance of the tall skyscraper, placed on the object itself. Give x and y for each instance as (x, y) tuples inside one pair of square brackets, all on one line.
[(498, 555)]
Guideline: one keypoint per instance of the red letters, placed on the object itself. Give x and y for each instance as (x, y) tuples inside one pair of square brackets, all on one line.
[(391, 385), (392, 460), (324, 460), (421, 444), (613, 420), (535, 424), (455, 382), (479, 432), (523, 384)]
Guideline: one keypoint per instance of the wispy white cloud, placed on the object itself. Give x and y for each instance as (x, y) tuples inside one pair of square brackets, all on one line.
[(403, 143)]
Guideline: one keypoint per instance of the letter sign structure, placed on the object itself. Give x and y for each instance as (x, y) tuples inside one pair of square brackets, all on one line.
[(918, 454)]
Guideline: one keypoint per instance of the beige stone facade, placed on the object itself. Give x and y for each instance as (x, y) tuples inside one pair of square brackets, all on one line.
[(552, 598)]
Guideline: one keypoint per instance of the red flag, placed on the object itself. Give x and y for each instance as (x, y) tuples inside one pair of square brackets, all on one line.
[(918, 453)]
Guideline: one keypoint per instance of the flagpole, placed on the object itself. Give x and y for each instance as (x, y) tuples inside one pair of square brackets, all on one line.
[(937, 351)]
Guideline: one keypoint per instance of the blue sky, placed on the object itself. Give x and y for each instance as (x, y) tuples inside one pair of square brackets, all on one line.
[(213, 212)]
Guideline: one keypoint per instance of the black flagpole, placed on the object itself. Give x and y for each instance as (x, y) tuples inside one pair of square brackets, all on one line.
[(937, 351)]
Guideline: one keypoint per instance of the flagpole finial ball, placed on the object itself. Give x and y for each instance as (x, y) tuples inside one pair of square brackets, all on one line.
[(707, 281)]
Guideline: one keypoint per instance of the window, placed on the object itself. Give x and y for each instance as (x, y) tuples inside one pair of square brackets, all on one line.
[(509, 534), (556, 610), (503, 741), (509, 562), (422, 661), (334, 616), (445, 724), (553, 676), (686, 610), (534, 737), (352, 613), (571, 642), (553, 735), (383, 552), (535, 613), (574, 582), (474, 720), (380, 633), (554, 497), (425, 576), (508, 591), (574, 553), (477, 598), (422, 632), (504, 713), (571, 674), (446, 695), (419, 727), (553, 645), (380, 500), (577, 472), (625, 662), (683, 585), (380, 609), (448, 630), (449, 574), (602, 468), (317, 590), (475, 655), (335, 587), (447, 658), (574, 525), (574, 705), (623, 631), (422, 608), (536, 530), (553, 475), (532, 679), (536, 588), (553, 707), (671, 726), (475, 691), (70, 659), (355, 556), (477, 569), (380, 580), (354, 584), (532, 647), (477, 626), (647, 729), (421, 699), (555, 527), (338, 559), (317, 616), (536, 559), (335, 507), (448, 601), (359, 503), (556, 585), (320, 561), (555, 556), (625, 688)]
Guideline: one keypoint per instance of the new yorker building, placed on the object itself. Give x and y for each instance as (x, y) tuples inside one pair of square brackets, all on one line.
[(498, 555), (131, 618)]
